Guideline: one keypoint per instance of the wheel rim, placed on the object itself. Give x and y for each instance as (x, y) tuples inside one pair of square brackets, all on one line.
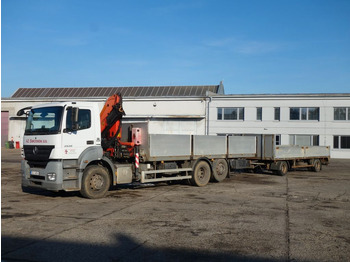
[(317, 165), (202, 173), (220, 169), (284, 168), (96, 182)]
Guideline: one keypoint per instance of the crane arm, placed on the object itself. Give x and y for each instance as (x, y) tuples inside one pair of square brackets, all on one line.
[(110, 116), (111, 129)]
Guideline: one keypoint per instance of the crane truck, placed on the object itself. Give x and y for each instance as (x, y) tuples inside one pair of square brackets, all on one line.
[(73, 146)]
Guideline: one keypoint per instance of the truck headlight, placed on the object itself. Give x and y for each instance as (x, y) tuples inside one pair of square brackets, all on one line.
[(51, 176)]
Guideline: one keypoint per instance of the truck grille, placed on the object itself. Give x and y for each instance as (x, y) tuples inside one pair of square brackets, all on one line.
[(37, 156), (37, 177)]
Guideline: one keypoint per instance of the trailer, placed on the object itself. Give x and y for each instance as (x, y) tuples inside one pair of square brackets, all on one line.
[(199, 158), (181, 153), (282, 158)]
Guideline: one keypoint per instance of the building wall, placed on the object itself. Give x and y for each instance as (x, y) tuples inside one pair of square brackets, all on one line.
[(16, 124), (199, 116), (4, 127), (170, 116), (325, 128)]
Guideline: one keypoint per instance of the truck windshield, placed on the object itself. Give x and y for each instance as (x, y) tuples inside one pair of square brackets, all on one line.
[(45, 120)]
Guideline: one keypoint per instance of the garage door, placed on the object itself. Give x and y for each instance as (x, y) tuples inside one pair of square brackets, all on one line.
[(4, 127)]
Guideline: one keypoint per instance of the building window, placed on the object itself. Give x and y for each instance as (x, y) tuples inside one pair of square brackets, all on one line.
[(230, 113), (304, 140), (304, 113), (341, 142), (219, 113), (278, 140), (294, 113), (259, 113), (342, 113), (277, 113)]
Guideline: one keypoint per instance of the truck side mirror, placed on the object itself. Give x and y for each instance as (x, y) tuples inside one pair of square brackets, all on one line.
[(23, 111), (75, 115)]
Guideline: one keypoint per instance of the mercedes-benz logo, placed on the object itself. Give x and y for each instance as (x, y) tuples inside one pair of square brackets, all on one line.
[(35, 150)]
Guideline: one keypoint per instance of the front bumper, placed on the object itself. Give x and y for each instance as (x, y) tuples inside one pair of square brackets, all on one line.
[(38, 177)]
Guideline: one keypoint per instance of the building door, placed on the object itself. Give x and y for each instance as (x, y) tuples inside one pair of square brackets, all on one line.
[(4, 127)]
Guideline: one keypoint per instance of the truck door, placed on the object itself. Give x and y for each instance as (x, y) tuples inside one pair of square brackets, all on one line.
[(75, 142)]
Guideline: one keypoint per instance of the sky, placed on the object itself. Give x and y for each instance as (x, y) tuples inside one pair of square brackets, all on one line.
[(253, 46)]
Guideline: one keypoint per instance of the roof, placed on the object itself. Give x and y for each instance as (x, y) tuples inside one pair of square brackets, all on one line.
[(288, 96), (148, 91)]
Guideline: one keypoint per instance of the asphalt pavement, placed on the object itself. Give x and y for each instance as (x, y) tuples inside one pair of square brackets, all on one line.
[(303, 216)]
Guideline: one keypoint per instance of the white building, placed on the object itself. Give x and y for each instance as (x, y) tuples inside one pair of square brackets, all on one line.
[(168, 109), (303, 119), (297, 119)]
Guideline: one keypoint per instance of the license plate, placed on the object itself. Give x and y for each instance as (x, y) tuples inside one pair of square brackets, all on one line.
[(35, 173)]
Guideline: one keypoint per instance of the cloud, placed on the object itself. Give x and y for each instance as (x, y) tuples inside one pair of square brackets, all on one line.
[(71, 41), (128, 63), (224, 42), (256, 47), (175, 7), (247, 47)]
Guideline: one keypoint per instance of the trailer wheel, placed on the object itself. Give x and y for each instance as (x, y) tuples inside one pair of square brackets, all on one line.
[(201, 174), (317, 165), (220, 170), (95, 182), (282, 168)]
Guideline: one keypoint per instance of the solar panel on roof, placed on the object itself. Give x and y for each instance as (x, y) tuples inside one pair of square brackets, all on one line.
[(113, 91), (49, 92), (73, 92), (149, 91), (30, 91)]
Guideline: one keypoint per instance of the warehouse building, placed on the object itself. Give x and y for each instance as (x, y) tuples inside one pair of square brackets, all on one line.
[(297, 119), (168, 109)]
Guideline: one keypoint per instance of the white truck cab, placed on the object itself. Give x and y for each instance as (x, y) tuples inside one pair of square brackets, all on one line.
[(59, 140)]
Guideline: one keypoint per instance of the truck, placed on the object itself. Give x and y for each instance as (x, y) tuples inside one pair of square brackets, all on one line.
[(75, 146)]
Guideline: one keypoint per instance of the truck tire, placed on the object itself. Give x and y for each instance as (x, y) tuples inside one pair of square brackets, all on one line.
[(282, 168), (201, 174), (317, 165), (220, 170), (95, 183)]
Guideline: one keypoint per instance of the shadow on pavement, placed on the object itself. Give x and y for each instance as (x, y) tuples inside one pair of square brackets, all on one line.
[(125, 248)]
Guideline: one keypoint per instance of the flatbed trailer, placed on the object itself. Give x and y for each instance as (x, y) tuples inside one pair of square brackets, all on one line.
[(172, 155), (166, 157), (282, 158)]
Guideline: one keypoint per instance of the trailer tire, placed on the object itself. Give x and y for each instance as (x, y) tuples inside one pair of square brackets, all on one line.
[(282, 168), (317, 165), (95, 182), (201, 174), (220, 170)]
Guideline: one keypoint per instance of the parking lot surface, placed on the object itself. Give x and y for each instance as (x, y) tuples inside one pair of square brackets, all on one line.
[(303, 216)]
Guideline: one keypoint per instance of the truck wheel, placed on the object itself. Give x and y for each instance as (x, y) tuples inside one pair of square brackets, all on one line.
[(95, 182), (220, 170), (201, 174), (282, 168), (317, 165)]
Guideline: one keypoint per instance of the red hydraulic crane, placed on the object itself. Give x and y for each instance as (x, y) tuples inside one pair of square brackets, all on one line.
[(111, 129)]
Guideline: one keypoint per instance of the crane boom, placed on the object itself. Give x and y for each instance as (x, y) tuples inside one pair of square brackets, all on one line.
[(111, 115), (111, 129)]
